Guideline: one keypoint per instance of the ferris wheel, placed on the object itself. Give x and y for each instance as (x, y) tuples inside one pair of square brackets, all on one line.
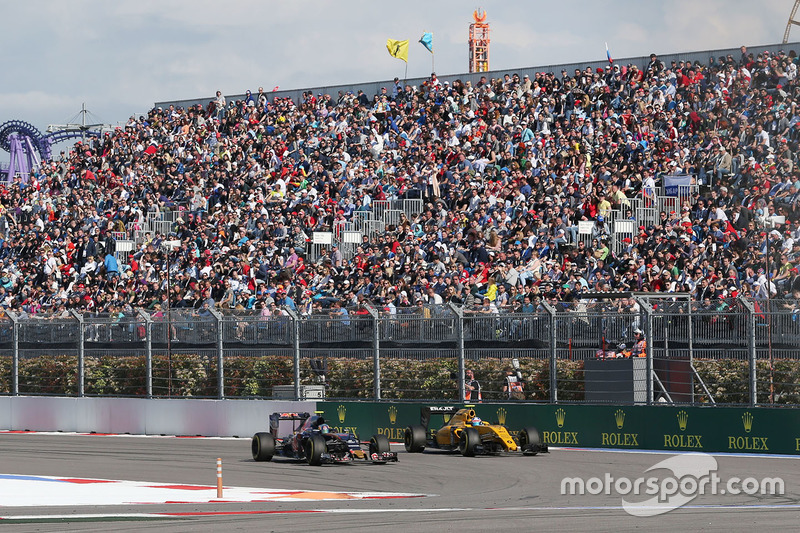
[(791, 21)]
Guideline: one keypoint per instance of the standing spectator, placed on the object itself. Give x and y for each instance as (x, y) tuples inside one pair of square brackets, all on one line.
[(472, 388), (111, 266), (219, 105), (513, 384)]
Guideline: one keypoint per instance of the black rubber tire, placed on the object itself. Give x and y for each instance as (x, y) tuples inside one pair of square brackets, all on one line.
[(315, 447), (263, 447), (470, 438), (414, 439), (379, 444), (530, 436)]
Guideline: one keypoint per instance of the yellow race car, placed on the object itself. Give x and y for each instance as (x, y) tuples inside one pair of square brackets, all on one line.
[(465, 432)]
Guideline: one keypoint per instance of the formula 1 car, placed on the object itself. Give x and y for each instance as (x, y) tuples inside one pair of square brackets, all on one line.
[(312, 440), (465, 432)]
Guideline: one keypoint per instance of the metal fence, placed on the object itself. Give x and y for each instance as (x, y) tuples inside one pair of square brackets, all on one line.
[(641, 350)]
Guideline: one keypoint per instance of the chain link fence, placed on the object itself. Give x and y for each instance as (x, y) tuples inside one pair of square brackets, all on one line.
[(639, 349)]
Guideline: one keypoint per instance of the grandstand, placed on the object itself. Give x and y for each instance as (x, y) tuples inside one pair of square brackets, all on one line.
[(468, 208), (604, 111)]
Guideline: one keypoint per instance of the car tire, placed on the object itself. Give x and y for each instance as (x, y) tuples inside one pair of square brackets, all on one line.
[(470, 438), (414, 439), (315, 447), (379, 444), (263, 446), (529, 437)]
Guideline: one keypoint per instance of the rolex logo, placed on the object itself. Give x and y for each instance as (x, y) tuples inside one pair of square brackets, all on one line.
[(560, 416), (747, 421), (501, 416), (619, 418), (683, 419), (392, 414), (341, 411)]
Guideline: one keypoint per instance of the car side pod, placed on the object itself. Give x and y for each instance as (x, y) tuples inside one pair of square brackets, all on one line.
[(263, 446), (530, 443), (414, 439)]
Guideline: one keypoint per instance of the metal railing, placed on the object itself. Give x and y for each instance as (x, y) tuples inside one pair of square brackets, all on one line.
[(348, 235), (643, 349)]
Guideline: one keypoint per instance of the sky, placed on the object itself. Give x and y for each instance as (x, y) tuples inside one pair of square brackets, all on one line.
[(120, 57)]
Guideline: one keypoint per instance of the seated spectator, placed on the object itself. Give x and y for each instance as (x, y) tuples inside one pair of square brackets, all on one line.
[(501, 175)]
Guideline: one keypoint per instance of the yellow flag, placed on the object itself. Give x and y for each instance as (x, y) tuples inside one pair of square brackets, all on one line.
[(398, 49)]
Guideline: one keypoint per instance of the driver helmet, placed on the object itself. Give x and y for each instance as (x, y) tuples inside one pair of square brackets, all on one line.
[(324, 428), (476, 421)]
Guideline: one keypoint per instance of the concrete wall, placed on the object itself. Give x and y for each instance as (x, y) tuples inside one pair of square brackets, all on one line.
[(210, 418)]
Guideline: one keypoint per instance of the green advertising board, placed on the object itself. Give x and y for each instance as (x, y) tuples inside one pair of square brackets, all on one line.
[(707, 429)]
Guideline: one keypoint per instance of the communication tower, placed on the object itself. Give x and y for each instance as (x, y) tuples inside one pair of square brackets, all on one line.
[(479, 42)]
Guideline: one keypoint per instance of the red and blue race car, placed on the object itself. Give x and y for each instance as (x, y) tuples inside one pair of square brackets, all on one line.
[(308, 437)]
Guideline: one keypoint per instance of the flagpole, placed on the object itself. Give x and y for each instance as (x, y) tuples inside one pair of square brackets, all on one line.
[(433, 63), (405, 74)]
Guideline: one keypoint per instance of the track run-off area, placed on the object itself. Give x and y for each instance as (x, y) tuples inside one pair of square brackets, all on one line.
[(56, 482)]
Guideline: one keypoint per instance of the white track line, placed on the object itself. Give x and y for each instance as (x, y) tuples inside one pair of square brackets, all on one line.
[(198, 514), (36, 491)]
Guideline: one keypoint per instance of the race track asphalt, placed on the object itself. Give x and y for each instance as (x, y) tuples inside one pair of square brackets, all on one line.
[(465, 494)]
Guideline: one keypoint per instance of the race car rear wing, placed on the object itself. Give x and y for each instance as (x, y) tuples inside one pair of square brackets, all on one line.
[(276, 418), (428, 410)]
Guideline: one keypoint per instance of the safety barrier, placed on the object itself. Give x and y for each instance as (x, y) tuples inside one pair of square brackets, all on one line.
[(138, 416), (755, 430)]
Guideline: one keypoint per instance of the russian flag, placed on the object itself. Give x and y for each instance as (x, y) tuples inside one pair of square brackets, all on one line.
[(608, 55)]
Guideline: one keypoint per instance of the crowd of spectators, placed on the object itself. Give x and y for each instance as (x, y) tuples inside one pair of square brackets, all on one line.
[(505, 167)]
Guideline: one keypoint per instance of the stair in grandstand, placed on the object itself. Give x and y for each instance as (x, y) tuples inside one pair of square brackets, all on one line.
[(349, 234)]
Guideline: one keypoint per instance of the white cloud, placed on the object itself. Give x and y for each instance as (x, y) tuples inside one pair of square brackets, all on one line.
[(43, 102), (120, 57)]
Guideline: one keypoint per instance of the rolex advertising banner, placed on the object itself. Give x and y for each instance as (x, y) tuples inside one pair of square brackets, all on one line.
[(707, 429)]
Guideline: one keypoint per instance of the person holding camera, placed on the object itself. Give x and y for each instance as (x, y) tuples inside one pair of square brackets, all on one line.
[(513, 384)]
